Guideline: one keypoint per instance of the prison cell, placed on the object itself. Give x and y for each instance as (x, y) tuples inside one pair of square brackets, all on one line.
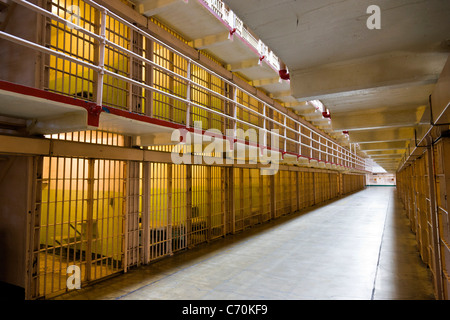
[(107, 218), (238, 205), (81, 220), (252, 216), (200, 211), (158, 210), (64, 221), (217, 201), (181, 200), (265, 201), (246, 197), (134, 205), (310, 186)]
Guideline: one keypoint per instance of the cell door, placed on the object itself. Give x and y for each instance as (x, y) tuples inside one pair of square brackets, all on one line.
[(80, 222)]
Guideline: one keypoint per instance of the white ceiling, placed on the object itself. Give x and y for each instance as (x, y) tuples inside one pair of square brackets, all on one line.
[(376, 83)]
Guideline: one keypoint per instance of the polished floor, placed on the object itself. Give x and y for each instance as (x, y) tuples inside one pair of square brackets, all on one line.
[(359, 247)]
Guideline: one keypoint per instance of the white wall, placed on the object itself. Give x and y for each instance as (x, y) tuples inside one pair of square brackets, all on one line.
[(381, 179)]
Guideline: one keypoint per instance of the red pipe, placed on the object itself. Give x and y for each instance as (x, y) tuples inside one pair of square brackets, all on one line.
[(284, 74)]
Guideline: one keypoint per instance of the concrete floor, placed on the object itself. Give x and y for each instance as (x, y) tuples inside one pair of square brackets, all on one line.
[(356, 248)]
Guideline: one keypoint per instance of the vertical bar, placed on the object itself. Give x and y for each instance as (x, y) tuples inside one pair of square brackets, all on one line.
[(89, 214), (314, 183), (146, 212), (55, 209), (169, 207), (284, 134), (188, 95), (232, 200), (188, 176), (208, 203), (234, 112), (127, 223), (101, 58), (241, 198), (273, 198), (261, 197)]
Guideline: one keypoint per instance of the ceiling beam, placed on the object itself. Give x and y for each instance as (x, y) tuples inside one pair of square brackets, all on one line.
[(380, 146), (386, 152), (382, 135), (212, 41), (376, 120), (151, 8), (242, 65), (360, 75), (265, 82)]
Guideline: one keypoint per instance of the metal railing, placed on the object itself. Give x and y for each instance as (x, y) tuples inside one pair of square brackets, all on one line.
[(234, 21), (296, 139)]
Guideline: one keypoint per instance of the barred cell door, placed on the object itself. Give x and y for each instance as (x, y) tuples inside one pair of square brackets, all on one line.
[(79, 224)]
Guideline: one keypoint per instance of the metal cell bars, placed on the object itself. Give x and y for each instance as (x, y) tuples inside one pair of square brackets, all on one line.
[(352, 183), (275, 125), (134, 221), (416, 190), (107, 223), (138, 98), (239, 202), (278, 194), (217, 201), (265, 199), (95, 137), (210, 98), (301, 198), (309, 188), (179, 223), (283, 193), (293, 191), (250, 114), (200, 219), (334, 185), (442, 165), (115, 89), (421, 189), (320, 186), (159, 210), (64, 222), (168, 73), (247, 198), (251, 198), (291, 146), (63, 76)]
